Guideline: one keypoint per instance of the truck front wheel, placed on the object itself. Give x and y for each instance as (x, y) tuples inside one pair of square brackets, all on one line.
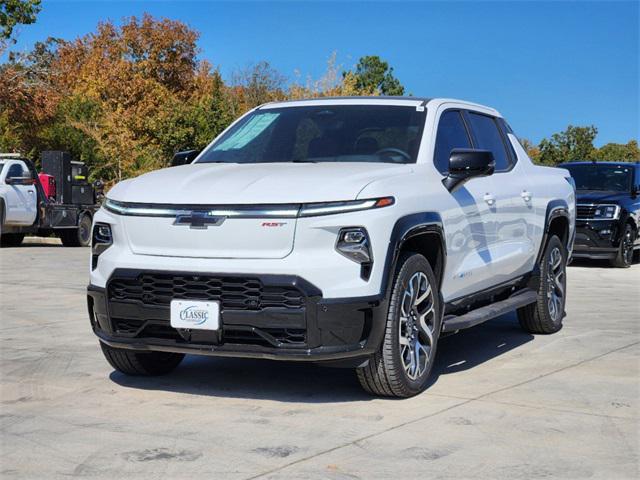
[(131, 362), (402, 364), (624, 257)]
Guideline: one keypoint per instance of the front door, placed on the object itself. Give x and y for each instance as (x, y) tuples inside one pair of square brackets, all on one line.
[(21, 200), (470, 216)]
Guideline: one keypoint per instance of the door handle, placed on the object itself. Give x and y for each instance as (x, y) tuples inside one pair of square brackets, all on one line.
[(490, 199), (30, 192), (526, 196)]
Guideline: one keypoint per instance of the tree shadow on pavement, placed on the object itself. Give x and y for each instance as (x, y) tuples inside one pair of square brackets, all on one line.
[(308, 383)]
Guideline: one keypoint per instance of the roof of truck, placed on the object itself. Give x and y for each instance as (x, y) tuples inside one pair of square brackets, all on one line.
[(374, 100)]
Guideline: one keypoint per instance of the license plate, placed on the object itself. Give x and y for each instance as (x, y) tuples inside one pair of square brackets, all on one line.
[(195, 314)]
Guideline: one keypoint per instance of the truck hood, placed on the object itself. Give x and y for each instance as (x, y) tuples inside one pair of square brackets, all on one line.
[(601, 196), (258, 183)]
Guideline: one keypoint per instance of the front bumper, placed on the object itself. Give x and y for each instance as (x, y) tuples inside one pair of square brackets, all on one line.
[(262, 316), (596, 239)]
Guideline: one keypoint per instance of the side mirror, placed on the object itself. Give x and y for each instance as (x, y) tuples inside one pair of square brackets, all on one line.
[(19, 181), (465, 164), (184, 157)]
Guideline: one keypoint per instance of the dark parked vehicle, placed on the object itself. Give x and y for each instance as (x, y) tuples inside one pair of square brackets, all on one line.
[(608, 203)]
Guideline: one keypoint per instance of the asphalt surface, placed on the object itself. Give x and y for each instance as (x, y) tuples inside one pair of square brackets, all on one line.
[(503, 403)]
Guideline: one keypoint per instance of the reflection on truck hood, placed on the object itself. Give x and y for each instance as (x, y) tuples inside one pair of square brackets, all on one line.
[(600, 196), (258, 183)]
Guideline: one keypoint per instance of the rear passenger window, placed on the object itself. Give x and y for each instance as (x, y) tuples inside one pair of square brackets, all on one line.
[(451, 134), (488, 137)]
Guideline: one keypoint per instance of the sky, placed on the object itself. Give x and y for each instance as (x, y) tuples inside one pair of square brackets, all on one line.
[(543, 65)]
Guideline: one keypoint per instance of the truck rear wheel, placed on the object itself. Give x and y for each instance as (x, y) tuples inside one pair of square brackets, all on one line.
[(402, 364), (131, 362), (77, 237), (11, 239), (545, 316)]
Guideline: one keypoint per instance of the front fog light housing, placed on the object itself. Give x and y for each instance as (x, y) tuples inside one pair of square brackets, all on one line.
[(353, 243), (101, 239)]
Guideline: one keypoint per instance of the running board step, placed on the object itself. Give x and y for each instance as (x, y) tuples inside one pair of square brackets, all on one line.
[(451, 323)]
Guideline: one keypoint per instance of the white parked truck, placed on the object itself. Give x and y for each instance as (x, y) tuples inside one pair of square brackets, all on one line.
[(353, 232), (25, 208)]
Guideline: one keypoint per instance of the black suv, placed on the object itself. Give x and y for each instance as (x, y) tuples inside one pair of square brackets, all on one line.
[(608, 202)]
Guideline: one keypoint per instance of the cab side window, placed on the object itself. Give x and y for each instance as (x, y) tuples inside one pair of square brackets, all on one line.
[(451, 134), (15, 170), (488, 137)]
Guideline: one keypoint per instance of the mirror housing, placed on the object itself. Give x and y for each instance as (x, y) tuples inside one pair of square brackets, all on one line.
[(184, 157), (465, 164), (19, 181)]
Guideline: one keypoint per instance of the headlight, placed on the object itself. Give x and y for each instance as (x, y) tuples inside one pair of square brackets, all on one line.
[(609, 212), (101, 239), (254, 211), (330, 208)]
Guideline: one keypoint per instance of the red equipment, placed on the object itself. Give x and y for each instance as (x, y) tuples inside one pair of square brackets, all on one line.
[(48, 185)]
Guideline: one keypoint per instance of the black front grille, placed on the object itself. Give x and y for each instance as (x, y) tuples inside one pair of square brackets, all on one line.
[(233, 293), (586, 211)]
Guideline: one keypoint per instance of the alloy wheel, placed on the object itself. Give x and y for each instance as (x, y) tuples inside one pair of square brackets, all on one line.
[(417, 324), (555, 284)]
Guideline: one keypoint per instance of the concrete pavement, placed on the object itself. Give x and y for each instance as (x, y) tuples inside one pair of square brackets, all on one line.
[(503, 404)]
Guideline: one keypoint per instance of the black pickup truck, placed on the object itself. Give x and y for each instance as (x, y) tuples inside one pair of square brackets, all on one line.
[(608, 203)]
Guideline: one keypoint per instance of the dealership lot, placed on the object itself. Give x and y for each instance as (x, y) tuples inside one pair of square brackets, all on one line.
[(504, 404)]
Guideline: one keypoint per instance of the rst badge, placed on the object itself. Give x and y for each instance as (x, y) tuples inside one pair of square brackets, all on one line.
[(273, 224), (195, 314)]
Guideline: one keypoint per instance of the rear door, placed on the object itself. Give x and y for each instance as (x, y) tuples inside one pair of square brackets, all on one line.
[(470, 224), (512, 247)]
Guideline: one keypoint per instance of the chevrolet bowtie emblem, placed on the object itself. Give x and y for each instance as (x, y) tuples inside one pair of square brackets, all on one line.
[(199, 220)]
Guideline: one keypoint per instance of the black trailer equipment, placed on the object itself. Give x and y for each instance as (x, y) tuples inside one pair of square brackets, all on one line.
[(68, 215)]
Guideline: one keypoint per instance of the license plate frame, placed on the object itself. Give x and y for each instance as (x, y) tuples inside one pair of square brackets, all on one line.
[(195, 314)]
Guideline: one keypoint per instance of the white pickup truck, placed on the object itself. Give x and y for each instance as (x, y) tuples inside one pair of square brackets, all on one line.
[(348, 231), (24, 208)]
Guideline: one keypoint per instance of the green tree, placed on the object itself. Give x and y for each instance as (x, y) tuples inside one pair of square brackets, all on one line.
[(374, 76), (14, 12), (574, 143), (619, 152)]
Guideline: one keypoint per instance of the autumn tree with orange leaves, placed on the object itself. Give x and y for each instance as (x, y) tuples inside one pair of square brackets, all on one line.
[(125, 98)]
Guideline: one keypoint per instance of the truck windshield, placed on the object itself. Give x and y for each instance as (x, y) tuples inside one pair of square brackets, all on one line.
[(329, 133), (611, 178)]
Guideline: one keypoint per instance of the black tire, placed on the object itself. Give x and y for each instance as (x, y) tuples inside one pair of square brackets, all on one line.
[(11, 239), (131, 362), (624, 257), (546, 315), (77, 237), (386, 374)]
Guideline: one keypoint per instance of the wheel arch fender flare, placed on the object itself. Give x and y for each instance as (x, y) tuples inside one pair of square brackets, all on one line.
[(405, 229), (556, 209)]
